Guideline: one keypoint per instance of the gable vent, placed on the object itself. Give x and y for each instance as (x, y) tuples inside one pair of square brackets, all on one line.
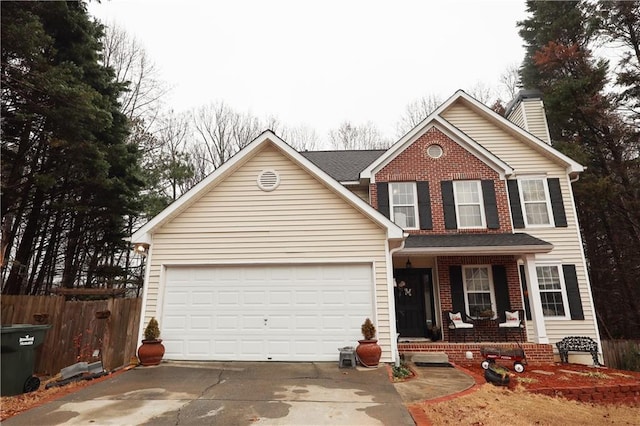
[(435, 151), (268, 180)]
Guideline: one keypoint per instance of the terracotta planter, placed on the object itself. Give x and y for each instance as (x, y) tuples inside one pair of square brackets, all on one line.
[(151, 352), (369, 352)]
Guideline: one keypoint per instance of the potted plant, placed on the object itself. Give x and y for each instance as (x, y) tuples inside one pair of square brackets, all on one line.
[(152, 349), (368, 350), (435, 333), (486, 314)]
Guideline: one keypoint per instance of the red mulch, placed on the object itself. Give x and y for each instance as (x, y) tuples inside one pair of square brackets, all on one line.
[(583, 375)]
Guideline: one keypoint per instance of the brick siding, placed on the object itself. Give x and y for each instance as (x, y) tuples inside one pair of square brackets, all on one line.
[(413, 164)]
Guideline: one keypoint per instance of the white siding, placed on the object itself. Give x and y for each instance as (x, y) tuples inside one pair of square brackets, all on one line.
[(516, 117), (301, 222), (566, 241), (529, 114)]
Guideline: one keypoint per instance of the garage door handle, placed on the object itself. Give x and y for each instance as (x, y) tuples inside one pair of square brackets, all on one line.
[(265, 321)]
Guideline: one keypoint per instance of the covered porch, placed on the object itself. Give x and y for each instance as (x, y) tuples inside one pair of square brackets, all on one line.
[(469, 275)]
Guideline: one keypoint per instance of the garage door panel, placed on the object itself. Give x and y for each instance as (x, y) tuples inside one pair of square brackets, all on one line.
[(280, 298), (201, 322), (254, 297), (227, 322), (179, 298), (202, 298), (175, 323), (219, 313), (199, 348), (228, 297), (306, 297)]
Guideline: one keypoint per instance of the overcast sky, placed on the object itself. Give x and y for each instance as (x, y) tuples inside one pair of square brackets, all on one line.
[(320, 63)]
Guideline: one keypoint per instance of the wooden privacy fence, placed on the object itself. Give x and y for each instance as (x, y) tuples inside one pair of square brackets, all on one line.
[(621, 354), (105, 330)]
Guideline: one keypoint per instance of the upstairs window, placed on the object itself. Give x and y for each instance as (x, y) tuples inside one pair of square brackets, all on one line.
[(469, 204), (535, 202), (404, 205)]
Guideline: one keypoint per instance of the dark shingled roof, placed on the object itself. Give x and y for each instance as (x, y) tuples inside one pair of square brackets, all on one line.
[(343, 166), (474, 240)]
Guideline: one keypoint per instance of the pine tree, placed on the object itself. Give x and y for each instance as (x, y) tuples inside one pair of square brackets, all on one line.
[(585, 123), (68, 178)]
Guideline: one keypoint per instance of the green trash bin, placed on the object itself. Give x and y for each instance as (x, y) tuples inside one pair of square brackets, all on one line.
[(18, 345)]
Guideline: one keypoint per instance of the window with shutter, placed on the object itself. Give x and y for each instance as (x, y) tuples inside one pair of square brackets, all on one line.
[(403, 204), (553, 294), (469, 204), (536, 204)]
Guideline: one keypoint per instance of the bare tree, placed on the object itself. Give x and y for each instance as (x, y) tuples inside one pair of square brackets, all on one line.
[(302, 138), (483, 93), (416, 111), (129, 60), (222, 132), (365, 136), (510, 82)]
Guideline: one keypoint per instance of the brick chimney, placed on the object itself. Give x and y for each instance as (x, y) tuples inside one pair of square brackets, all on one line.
[(526, 110)]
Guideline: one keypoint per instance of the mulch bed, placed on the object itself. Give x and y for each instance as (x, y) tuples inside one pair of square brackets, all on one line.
[(561, 376)]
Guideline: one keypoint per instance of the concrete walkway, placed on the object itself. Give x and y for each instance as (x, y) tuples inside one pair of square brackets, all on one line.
[(238, 393), (432, 383)]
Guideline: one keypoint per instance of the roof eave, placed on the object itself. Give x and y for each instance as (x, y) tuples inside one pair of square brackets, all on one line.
[(480, 250)]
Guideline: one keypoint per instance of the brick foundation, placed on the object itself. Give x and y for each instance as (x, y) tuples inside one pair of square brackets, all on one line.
[(536, 353)]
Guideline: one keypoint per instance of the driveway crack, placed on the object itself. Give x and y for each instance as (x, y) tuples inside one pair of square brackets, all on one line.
[(208, 388)]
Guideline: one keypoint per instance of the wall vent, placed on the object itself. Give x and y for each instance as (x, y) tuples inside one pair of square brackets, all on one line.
[(268, 180), (435, 151)]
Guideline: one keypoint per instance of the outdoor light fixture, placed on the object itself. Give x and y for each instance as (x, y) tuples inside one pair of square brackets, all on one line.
[(141, 248), (408, 265)]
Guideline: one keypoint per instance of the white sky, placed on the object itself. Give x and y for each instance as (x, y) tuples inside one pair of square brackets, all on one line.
[(320, 63)]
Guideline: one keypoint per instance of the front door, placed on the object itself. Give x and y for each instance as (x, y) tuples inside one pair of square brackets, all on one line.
[(414, 302)]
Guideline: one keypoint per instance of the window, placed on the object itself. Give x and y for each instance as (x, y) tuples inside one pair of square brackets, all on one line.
[(535, 201), (478, 289), (552, 295), (404, 207), (468, 199)]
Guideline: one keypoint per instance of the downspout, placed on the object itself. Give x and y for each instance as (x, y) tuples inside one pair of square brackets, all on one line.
[(392, 311)]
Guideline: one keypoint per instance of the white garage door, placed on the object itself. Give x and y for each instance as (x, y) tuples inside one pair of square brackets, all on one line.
[(259, 313)]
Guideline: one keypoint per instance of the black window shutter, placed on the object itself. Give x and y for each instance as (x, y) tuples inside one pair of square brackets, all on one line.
[(557, 206), (514, 202), (457, 289), (424, 205), (501, 287), (490, 205), (525, 293), (383, 198), (448, 205), (573, 292)]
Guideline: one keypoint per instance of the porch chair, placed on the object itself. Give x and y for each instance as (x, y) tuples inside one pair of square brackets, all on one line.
[(458, 325), (514, 324)]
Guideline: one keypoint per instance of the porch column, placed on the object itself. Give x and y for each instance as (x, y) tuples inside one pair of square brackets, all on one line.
[(535, 303)]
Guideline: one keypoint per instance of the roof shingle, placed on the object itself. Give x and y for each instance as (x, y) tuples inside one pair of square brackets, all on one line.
[(343, 166)]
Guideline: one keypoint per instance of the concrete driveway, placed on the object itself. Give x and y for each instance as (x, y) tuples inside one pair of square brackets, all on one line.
[(234, 393)]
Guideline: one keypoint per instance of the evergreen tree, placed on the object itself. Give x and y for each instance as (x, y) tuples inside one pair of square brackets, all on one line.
[(585, 123), (68, 178)]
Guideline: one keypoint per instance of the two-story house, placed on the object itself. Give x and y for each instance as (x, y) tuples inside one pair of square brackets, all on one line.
[(281, 255)]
